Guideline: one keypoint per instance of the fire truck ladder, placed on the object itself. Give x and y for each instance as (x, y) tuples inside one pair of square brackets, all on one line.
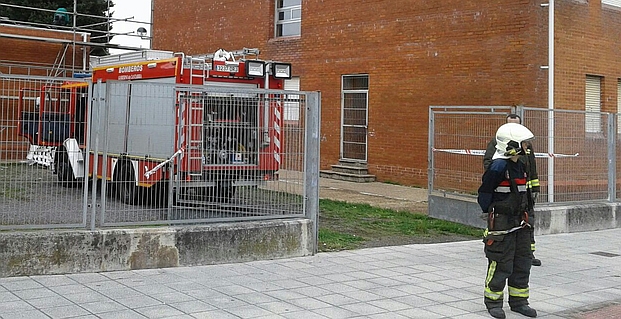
[(195, 126), (198, 63), (195, 137), (58, 62), (243, 53)]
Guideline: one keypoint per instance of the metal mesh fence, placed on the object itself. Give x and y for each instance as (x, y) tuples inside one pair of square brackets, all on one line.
[(123, 153), (576, 152), (27, 187), (454, 132), (575, 165)]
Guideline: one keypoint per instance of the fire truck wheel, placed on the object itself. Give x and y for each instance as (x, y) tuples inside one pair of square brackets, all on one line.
[(157, 195), (126, 189), (224, 192), (64, 172)]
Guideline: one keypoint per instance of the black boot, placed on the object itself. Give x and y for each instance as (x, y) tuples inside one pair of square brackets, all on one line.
[(525, 310), (535, 261), (497, 313)]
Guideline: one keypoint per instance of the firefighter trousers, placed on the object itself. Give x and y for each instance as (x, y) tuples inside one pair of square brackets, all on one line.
[(531, 221), (509, 261)]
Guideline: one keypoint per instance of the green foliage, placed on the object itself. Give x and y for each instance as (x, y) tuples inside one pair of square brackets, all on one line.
[(91, 7), (334, 241)]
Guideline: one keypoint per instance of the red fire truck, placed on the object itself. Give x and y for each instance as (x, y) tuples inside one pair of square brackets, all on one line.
[(174, 124)]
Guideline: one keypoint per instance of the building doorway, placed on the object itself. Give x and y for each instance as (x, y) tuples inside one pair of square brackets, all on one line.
[(354, 117)]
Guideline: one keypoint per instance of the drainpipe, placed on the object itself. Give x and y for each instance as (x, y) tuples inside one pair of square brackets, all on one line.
[(151, 29), (550, 68), (551, 101)]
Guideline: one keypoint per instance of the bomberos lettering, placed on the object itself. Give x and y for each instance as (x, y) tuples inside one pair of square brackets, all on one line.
[(130, 68)]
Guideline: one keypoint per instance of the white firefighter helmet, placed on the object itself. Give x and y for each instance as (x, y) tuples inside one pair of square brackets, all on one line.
[(509, 138)]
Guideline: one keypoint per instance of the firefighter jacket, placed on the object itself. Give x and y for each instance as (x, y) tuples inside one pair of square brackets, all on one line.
[(496, 186), (528, 159)]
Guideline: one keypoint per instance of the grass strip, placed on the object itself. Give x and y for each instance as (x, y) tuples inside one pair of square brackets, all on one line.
[(349, 226)]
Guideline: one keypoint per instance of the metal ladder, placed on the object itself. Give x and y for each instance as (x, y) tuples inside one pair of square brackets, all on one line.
[(198, 63), (58, 62), (195, 143)]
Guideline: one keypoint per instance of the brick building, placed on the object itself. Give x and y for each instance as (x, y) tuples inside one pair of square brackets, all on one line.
[(36, 51), (381, 65)]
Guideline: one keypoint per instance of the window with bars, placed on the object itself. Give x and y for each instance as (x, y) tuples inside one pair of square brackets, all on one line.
[(354, 117), (288, 18)]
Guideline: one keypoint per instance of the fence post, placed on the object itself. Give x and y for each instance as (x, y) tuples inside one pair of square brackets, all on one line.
[(430, 155), (311, 162), (612, 157), (95, 106), (92, 101)]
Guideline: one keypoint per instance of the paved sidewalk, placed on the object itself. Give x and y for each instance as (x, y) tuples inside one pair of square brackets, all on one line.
[(581, 271)]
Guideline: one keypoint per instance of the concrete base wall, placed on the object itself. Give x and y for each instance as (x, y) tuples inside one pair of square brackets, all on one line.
[(550, 219), (58, 252)]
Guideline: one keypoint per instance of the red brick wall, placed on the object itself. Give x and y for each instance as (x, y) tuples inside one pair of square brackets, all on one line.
[(417, 54), (587, 44), (36, 52)]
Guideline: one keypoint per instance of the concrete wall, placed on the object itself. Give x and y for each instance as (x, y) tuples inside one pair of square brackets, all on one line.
[(75, 251), (550, 219)]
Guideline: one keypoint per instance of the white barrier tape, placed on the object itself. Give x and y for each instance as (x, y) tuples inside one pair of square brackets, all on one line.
[(482, 153)]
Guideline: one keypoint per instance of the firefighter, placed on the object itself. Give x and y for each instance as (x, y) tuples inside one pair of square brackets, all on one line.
[(504, 197), (533, 178)]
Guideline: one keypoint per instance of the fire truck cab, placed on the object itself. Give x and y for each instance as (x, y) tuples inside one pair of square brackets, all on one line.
[(51, 114), (209, 144)]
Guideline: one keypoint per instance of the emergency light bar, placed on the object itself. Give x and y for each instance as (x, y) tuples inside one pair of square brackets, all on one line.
[(255, 68), (281, 70)]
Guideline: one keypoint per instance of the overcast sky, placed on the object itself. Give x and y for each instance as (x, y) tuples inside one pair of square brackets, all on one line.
[(141, 11)]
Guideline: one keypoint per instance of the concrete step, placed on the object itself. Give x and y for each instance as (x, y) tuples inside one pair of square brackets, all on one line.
[(357, 178), (359, 170)]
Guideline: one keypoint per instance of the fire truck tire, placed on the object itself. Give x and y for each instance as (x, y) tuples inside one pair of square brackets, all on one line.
[(64, 172), (158, 195), (126, 190), (223, 193)]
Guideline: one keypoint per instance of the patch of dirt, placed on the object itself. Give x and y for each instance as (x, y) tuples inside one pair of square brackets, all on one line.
[(350, 196)]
